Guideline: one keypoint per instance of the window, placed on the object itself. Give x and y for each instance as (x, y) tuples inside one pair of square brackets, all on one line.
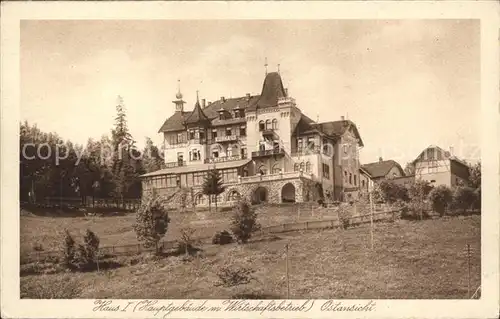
[(276, 169), (236, 114), (363, 183), (262, 126), (191, 135), (296, 167), (180, 158), (345, 149), (326, 171), (229, 151), (302, 166), (198, 178), (202, 134), (180, 138), (243, 153), (355, 180), (439, 156), (345, 176), (242, 113), (350, 178), (262, 147), (228, 131), (171, 181), (299, 144), (268, 124), (430, 154), (308, 167), (214, 134), (275, 124), (215, 154), (243, 131)]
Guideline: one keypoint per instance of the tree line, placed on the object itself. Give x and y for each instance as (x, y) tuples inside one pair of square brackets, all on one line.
[(105, 168)]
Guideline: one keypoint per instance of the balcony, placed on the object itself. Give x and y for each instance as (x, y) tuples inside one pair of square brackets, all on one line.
[(268, 132), (265, 153), (307, 151), (223, 159), (175, 164), (228, 138), (274, 177)]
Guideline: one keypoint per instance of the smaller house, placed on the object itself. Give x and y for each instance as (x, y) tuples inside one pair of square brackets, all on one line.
[(382, 170), (440, 167)]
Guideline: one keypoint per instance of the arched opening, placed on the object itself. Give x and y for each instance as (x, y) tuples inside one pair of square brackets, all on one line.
[(268, 124), (276, 169), (259, 195), (288, 193), (199, 200), (296, 167), (233, 196), (262, 126), (275, 124), (262, 170), (308, 167)]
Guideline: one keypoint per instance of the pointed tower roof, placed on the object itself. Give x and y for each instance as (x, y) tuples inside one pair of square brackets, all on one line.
[(272, 90), (197, 115)]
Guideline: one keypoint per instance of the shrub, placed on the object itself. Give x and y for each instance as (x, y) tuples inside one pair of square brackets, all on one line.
[(151, 221), (463, 198), (63, 286), (222, 238), (414, 210), (68, 250), (244, 222), (185, 244), (392, 192), (440, 198), (345, 214), (234, 275)]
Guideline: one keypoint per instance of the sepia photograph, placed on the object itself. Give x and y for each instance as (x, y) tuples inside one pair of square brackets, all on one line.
[(250, 159), (231, 162)]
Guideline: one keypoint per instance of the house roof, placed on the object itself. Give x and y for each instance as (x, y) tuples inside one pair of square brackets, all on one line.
[(380, 168), (174, 122), (445, 153), (272, 90), (197, 168), (338, 128), (197, 115)]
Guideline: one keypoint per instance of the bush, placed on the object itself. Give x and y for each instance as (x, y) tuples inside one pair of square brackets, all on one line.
[(68, 250), (222, 238), (414, 210), (63, 286), (151, 221), (186, 241), (345, 215), (244, 222), (463, 198), (392, 192), (233, 275), (440, 198)]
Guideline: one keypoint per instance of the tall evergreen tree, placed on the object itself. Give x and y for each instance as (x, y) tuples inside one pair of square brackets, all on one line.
[(212, 186), (152, 160)]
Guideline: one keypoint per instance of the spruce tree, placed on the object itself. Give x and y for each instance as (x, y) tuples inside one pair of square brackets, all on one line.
[(212, 186)]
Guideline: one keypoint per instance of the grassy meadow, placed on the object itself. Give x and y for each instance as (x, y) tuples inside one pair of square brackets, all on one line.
[(411, 259)]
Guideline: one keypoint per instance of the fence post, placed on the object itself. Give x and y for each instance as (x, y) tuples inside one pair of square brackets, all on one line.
[(468, 271)]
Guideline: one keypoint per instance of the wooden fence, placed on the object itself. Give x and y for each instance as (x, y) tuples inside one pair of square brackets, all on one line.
[(89, 202), (275, 229)]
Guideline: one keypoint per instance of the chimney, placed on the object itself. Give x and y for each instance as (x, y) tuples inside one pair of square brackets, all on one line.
[(248, 96), (286, 92), (380, 159), (203, 103), (223, 99), (342, 118)]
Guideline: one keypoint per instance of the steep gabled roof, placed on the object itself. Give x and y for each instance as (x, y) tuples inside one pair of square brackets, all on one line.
[(174, 122), (381, 168), (197, 116), (272, 90), (446, 155), (212, 110)]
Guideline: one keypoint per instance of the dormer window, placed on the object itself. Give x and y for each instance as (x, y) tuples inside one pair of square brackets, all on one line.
[(236, 114), (221, 116)]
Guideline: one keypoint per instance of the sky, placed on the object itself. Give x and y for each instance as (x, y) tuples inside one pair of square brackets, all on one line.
[(406, 84)]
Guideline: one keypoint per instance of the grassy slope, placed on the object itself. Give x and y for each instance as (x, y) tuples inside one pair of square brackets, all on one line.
[(118, 230), (411, 260)]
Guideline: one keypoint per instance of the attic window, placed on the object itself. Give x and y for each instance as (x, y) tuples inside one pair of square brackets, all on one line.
[(221, 115), (236, 113)]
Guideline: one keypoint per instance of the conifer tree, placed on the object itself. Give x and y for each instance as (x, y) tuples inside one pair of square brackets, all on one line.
[(212, 186)]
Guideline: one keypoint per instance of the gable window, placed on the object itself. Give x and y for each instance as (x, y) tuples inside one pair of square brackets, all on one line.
[(430, 154), (262, 126)]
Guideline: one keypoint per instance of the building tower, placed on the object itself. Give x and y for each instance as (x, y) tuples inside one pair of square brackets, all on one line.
[(179, 103)]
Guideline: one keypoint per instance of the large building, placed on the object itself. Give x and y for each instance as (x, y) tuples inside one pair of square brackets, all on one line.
[(266, 149)]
